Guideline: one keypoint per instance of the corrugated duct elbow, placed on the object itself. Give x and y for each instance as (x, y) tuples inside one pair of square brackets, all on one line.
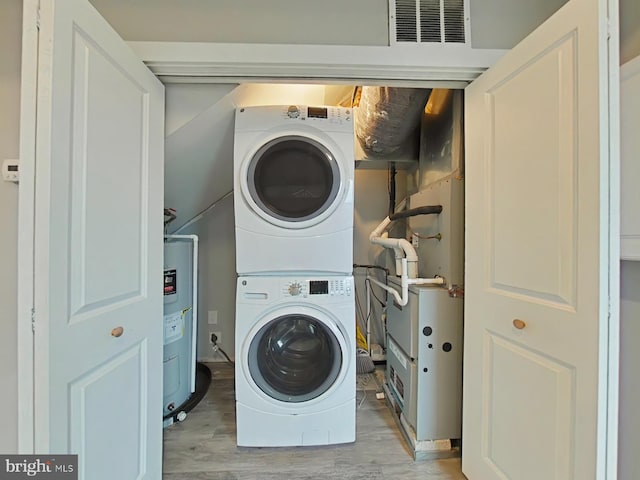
[(388, 117)]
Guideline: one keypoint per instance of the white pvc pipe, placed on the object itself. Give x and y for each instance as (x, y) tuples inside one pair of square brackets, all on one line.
[(368, 297), (405, 281), (194, 307), (402, 248)]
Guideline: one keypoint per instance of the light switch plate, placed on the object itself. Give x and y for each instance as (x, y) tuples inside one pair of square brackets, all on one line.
[(10, 170)]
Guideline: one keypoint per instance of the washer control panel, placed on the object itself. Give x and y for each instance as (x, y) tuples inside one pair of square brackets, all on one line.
[(342, 287)]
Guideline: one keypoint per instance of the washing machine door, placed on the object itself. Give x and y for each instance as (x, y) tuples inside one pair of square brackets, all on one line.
[(295, 358), (294, 181)]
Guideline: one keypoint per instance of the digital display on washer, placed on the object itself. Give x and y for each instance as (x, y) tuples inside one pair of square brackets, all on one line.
[(318, 287), (316, 112)]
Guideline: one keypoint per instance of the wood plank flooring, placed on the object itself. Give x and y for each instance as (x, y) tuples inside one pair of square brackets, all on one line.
[(203, 447)]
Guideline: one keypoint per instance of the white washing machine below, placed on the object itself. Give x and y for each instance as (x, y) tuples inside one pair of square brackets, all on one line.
[(295, 361)]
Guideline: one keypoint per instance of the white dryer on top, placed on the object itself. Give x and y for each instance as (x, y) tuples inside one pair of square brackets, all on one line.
[(293, 180)]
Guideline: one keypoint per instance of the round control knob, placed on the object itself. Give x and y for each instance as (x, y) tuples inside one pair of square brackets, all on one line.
[(295, 289), (293, 111)]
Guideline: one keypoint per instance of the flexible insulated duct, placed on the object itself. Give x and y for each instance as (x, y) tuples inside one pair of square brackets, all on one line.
[(387, 117)]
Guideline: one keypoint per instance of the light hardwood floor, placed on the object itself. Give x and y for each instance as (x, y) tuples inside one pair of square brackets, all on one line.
[(203, 447)]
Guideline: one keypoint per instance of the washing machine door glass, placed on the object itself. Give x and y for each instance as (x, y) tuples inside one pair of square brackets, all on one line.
[(293, 178), (294, 358)]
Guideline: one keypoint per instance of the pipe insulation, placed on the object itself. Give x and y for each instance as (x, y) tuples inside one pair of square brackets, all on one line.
[(388, 117), (425, 210)]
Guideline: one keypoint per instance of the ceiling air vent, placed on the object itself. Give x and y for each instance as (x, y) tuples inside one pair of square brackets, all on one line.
[(427, 21)]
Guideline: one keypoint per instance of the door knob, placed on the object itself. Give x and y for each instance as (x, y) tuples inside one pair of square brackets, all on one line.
[(116, 332), (519, 324)]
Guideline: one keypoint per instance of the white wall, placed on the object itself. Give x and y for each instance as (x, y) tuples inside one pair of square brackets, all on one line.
[(10, 41)]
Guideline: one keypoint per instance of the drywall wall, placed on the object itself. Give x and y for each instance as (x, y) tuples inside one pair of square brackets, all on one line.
[(371, 203), (494, 23), (629, 426), (330, 22), (503, 23), (629, 433), (199, 141), (185, 101), (10, 41), (199, 172), (217, 260), (629, 30)]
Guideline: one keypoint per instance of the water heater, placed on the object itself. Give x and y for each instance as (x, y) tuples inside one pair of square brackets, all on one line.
[(179, 322)]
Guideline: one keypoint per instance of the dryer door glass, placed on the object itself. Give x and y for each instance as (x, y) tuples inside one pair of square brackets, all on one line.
[(295, 358), (293, 178)]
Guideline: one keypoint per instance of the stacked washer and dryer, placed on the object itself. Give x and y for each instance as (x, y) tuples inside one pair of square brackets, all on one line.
[(295, 307)]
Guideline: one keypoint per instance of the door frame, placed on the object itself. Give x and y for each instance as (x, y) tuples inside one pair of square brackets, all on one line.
[(180, 62), (26, 226)]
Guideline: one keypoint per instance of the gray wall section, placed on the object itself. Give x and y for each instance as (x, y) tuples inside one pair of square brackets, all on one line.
[(629, 30), (330, 22), (371, 203), (629, 434), (217, 278), (503, 23), (217, 272), (10, 42)]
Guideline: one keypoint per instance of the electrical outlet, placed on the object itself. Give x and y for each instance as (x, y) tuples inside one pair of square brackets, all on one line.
[(415, 241), (212, 318), (217, 334)]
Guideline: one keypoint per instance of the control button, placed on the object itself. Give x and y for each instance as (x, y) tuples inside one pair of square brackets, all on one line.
[(293, 111), (295, 289)]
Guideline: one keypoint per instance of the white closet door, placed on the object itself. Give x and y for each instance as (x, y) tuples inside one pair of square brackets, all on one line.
[(98, 248), (537, 259)]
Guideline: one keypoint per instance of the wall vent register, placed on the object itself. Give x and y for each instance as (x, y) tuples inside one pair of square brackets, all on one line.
[(427, 21)]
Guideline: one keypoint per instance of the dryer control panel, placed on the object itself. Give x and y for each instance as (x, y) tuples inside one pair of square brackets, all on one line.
[(307, 113), (288, 118)]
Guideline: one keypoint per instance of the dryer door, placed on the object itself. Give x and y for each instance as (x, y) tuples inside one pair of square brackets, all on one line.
[(294, 181), (295, 358)]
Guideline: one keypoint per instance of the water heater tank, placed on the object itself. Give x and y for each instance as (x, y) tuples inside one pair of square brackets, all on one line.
[(179, 348)]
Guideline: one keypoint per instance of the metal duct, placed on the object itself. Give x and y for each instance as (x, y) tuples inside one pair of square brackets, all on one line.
[(387, 117)]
